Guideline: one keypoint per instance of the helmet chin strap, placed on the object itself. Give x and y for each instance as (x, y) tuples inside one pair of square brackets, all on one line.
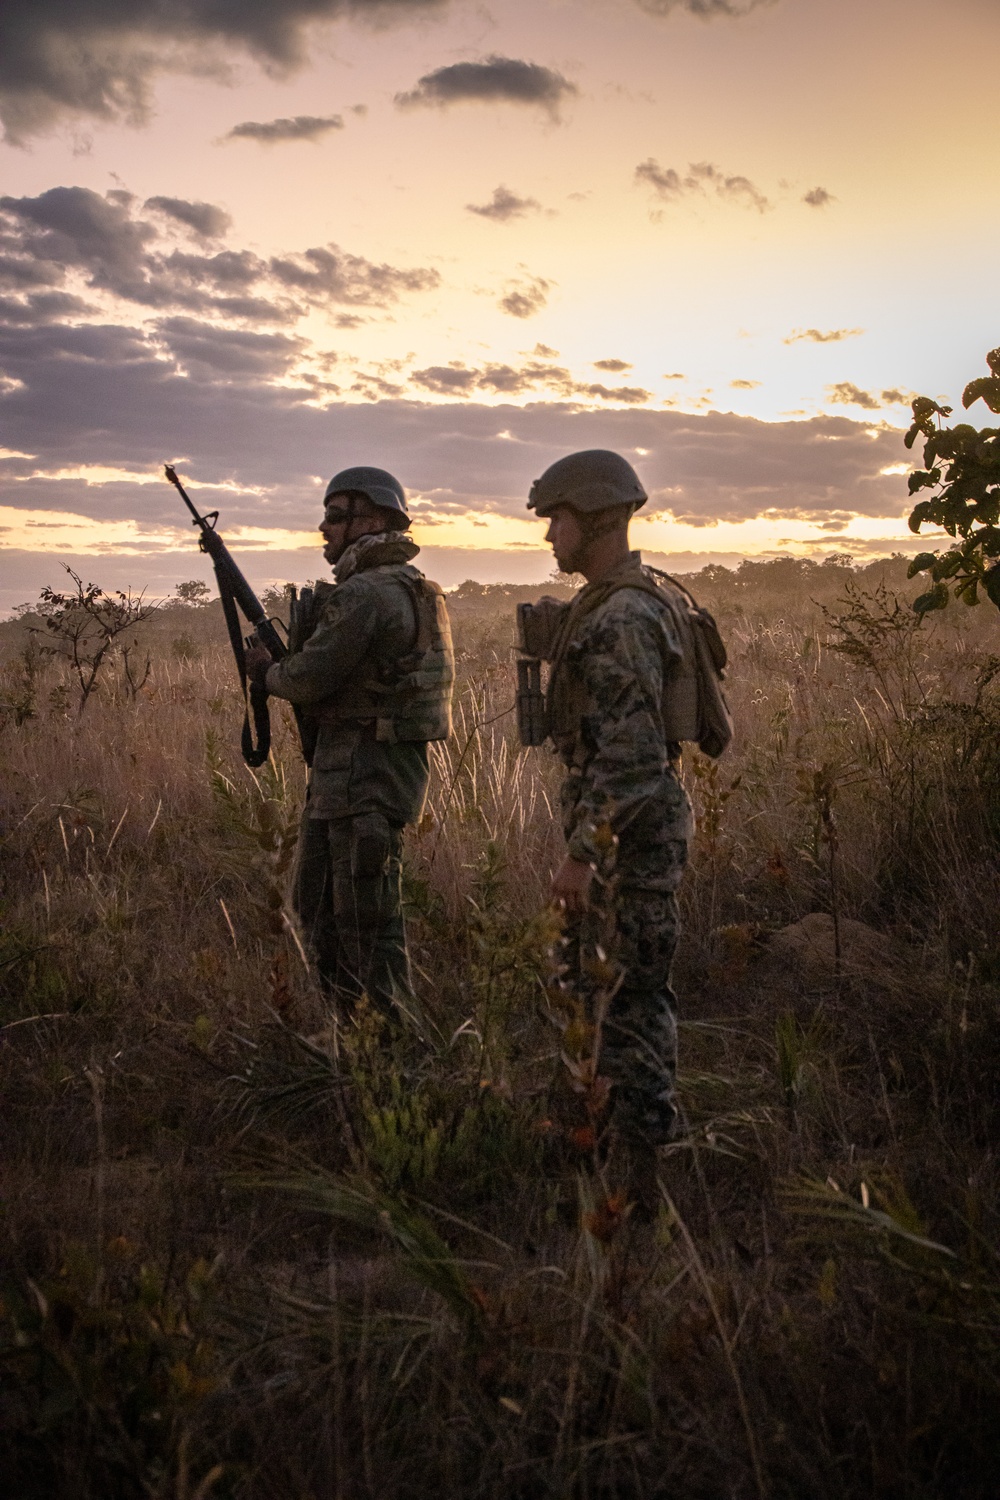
[(596, 524), (599, 522)]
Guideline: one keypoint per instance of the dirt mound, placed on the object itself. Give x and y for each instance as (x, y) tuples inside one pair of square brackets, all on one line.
[(808, 947)]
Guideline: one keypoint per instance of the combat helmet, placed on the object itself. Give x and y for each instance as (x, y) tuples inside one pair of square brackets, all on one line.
[(377, 485), (593, 480)]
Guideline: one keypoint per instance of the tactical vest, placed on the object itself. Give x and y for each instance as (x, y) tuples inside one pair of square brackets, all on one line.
[(693, 706), (409, 699)]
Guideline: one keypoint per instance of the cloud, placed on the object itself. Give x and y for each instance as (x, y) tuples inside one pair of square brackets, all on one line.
[(42, 307), (613, 366), (818, 197), (628, 395), (669, 186), (675, 375), (744, 385), (817, 336), (298, 128), (526, 297), (74, 227), (495, 80), (327, 274), (18, 272), (846, 393), (509, 380), (105, 396), (203, 349), (73, 231), (96, 58), (504, 206), (207, 220), (446, 380), (706, 9)]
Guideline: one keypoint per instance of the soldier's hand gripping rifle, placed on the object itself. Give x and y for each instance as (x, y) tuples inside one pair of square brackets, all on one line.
[(235, 591)]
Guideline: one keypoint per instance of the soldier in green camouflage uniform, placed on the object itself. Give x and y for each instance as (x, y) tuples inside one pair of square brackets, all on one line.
[(373, 677), (626, 815)]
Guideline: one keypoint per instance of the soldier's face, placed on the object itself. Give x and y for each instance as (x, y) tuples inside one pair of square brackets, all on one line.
[(565, 537), (334, 526)]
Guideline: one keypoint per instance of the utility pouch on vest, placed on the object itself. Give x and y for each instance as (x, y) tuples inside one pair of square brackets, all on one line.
[(301, 622), (300, 618), (532, 719), (539, 629), (540, 625)]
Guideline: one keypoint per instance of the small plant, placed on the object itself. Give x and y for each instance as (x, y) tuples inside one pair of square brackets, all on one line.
[(108, 1358), (84, 625), (19, 694), (184, 648)]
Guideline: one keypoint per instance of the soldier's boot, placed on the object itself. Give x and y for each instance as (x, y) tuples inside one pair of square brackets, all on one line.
[(637, 1171), (634, 1164)]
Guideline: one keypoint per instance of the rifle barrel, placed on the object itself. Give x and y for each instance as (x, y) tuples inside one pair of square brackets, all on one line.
[(225, 568), (171, 474)]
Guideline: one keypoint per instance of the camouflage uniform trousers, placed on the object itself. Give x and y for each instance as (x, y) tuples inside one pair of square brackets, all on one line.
[(347, 896), (638, 930)]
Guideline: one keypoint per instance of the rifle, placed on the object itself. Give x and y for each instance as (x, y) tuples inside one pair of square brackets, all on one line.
[(235, 591)]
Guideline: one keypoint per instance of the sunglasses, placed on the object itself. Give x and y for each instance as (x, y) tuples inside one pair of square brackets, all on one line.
[(333, 517)]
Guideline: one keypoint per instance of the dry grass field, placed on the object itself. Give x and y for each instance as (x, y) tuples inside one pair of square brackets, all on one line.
[(245, 1254)]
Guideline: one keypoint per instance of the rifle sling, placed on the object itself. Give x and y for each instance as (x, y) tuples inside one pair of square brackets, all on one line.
[(256, 698)]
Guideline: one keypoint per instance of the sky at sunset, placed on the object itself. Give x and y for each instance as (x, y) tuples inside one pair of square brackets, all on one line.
[(266, 239)]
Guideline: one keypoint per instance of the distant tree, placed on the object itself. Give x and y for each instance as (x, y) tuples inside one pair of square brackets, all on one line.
[(962, 467), (193, 592), (275, 599), (85, 624)]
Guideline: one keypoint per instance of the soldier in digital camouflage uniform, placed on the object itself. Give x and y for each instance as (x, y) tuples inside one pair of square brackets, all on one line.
[(626, 815), (372, 672)]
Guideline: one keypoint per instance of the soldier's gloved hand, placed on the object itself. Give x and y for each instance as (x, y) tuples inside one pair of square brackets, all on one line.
[(571, 885), (258, 659)]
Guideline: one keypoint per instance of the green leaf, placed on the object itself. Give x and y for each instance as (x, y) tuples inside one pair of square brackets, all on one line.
[(948, 565), (921, 563), (935, 598), (924, 408), (986, 388), (991, 583), (919, 515), (922, 479)]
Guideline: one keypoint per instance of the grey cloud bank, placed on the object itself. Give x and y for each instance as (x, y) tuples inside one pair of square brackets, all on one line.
[(273, 132), (97, 57), (207, 220), (73, 230), (495, 80), (706, 9), (108, 396)]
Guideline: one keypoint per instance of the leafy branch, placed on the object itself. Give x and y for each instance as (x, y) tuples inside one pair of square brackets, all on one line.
[(962, 468)]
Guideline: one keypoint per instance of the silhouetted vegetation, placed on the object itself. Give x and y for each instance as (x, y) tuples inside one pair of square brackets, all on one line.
[(246, 1254)]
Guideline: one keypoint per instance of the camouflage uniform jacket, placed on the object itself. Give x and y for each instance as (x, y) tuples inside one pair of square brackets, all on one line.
[(607, 725), (365, 626)]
